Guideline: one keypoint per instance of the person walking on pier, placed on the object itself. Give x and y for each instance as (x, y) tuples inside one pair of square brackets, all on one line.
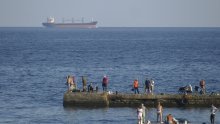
[(159, 112), (135, 86), (104, 83), (84, 83), (212, 116)]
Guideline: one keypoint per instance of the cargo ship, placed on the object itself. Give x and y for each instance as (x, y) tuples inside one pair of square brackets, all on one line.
[(52, 24)]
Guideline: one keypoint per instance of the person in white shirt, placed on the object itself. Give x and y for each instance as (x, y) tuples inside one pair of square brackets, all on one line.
[(151, 86), (140, 115), (212, 116), (144, 113)]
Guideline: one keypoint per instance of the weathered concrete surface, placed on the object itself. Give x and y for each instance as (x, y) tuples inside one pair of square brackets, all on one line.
[(133, 100), (85, 99)]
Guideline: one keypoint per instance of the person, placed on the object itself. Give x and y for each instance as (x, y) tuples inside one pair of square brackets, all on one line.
[(196, 89), (140, 114), (189, 88), (68, 81), (159, 112), (202, 86), (151, 86), (84, 83), (90, 88), (212, 116), (104, 83), (73, 86), (135, 86), (147, 86), (144, 113), (171, 119), (148, 122), (71, 83), (96, 88)]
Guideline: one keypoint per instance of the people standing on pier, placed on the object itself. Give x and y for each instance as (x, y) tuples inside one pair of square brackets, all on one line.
[(212, 116), (71, 83), (135, 86), (84, 83), (144, 113), (159, 112), (151, 86), (90, 88), (73, 87), (140, 115), (202, 86), (147, 85), (104, 83), (68, 81)]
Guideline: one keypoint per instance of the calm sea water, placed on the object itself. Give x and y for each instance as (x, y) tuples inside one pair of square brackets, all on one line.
[(34, 63)]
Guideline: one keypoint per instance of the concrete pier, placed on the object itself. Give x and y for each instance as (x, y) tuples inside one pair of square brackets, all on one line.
[(85, 99)]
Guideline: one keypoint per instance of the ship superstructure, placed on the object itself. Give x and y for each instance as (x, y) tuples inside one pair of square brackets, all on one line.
[(52, 24)]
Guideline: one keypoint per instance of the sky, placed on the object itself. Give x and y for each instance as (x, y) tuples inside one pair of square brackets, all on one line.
[(113, 13)]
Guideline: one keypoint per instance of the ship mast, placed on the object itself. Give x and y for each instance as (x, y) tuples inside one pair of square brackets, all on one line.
[(63, 20), (82, 19)]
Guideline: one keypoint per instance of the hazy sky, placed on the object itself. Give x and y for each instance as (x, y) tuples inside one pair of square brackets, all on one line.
[(113, 13)]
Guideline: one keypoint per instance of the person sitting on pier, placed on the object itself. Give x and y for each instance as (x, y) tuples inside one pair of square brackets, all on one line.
[(196, 89), (186, 89), (190, 90), (135, 86), (104, 83)]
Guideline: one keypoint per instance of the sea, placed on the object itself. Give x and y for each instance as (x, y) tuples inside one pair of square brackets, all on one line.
[(34, 64)]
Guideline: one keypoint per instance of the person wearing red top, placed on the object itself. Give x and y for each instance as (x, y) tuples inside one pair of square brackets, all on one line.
[(105, 83), (135, 86)]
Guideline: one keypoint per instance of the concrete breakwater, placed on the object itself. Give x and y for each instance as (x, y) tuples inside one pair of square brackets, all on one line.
[(86, 99)]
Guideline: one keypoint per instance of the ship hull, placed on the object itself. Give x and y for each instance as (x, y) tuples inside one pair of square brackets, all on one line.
[(70, 25)]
